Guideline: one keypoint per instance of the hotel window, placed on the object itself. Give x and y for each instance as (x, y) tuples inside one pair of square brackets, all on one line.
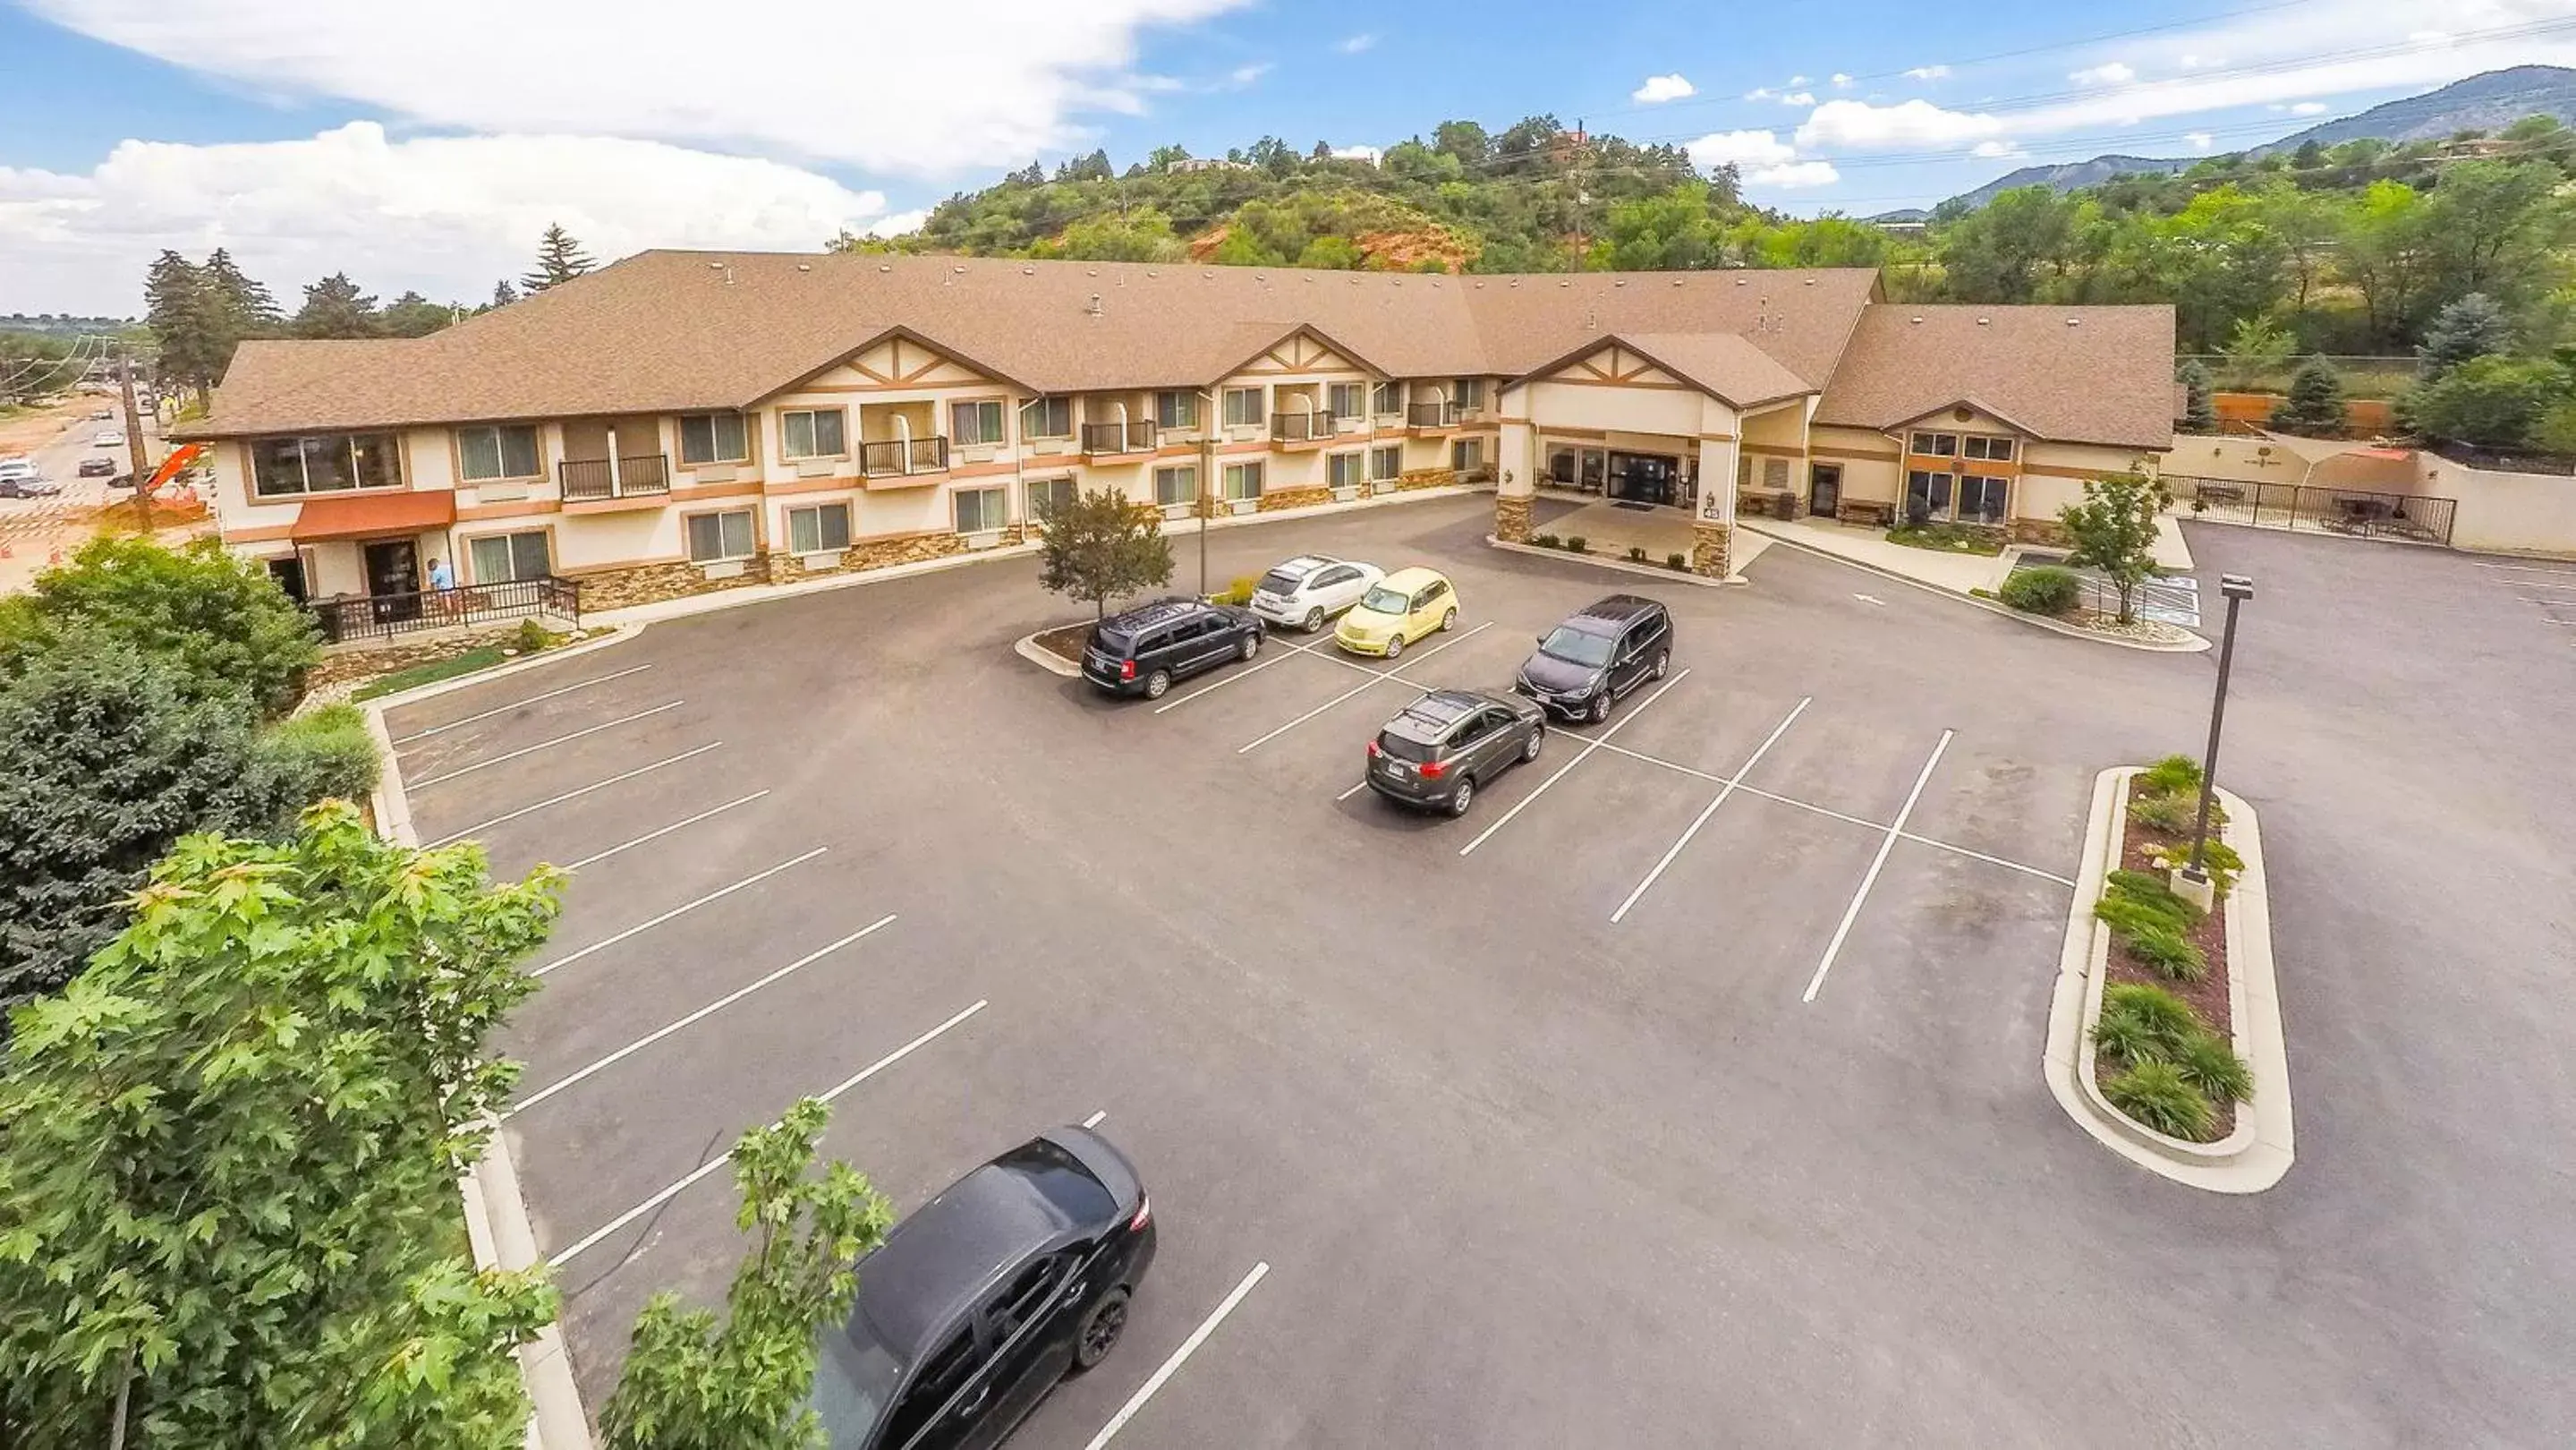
[(1938, 445), (1386, 399), (1243, 407), (502, 558), (1386, 462), (1992, 449), (1775, 474), (1560, 466), (1178, 484), (1347, 399), (1348, 469), (1046, 494), (715, 538), (1174, 408), (325, 464), (811, 433), (1927, 495), (1467, 454), (981, 510), (713, 438), (1046, 418), (975, 424), (484, 454), (1982, 500), (824, 528), (1242, 480), (1468, 394)]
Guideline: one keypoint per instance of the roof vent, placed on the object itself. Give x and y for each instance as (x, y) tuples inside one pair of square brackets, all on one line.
[(804, 266), (2075, 322), (961, 269), (1094, 308), (1150, 272), (885, 266), (1028, 271), (1810, 282), (1917, 318), (1087, 271), (1677, 281), (1210, 275), (1982, 321), (1619, 282), (1740, 281), (1561, 282)]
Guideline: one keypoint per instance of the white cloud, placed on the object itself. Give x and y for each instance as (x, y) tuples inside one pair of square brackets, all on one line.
[(1369, 154), (1928, 72), (2199, 140), (1794, 175), (2300, 108), (1840, 80), (1760, 93), (1797, 80), (937, 89), (448, 215), (894, 224), (1659, 89), (1798, 98), (1357, 43), (1244, 75), (1740, 148), (1908, 125), (2109, 73), (2199, 62), (1998, 151)]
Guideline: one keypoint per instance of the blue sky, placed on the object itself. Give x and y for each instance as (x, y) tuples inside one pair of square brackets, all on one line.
[(426, 146)]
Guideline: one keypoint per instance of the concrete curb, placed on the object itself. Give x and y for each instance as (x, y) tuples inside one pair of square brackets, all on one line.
[(2198, 643), (1624, 566), (2259, 1152), (436, 688), (1054, 664), (496, 1218)]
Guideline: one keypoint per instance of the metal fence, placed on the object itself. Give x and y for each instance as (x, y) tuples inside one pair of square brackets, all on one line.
[(2361, 513), (382, 616)]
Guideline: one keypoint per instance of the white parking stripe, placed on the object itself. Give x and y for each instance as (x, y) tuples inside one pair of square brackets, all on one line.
[(1851, 913), (1376, 677), (719, 1004), (711, 1165), (1723, 792), (1592, 743), (1354, 790), (2522, 568), (2537, 584), (515, 705), (599, 856), (546, 745), (1188, 1347), (1277, 654), (1095, 1119), (574, 794), (678, 911)]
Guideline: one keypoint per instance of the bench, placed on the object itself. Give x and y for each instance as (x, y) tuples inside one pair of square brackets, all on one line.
[(1864, 511)]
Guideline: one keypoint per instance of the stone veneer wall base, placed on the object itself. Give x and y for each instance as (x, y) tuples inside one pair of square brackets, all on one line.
[(1293, 498), (1712, 548), (1512, 518)]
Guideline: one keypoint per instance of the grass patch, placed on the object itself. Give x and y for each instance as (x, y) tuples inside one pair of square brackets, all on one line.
[(1947, 539), (431, 673)]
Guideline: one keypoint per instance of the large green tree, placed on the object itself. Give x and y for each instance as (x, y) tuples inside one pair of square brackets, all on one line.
[(219, 616), (334, 307), (560, 258), (227, 1189), (1100, 545), (2114, 531)]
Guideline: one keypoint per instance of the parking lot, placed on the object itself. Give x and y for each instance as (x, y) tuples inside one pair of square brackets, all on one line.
[(1686, 1091)]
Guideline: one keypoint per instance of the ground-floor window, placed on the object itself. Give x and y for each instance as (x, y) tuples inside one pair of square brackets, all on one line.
[(1982, 500), (1560, 465), (1387, 462), (1467, 454), (502, 557), (715, 538), (1927, 495), (1348, 468), (981, 510), (824, 528), (1243, 480), (1049, 493), (1178, 484)]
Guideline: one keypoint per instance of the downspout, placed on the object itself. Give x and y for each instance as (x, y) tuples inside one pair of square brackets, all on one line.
[(902, 438)]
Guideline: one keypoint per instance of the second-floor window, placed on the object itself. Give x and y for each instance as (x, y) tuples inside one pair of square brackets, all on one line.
[(1347, 399), (1468, 394), (484, 454), (1243, 407), (975, 424), (1936, 445), (1047, 418), (1386, 399), (1175, 408), (714, 438), (1986, 446), (323, 464), (814, 433)]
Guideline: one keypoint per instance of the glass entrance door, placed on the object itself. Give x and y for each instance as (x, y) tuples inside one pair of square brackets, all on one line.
[(1825, 489)]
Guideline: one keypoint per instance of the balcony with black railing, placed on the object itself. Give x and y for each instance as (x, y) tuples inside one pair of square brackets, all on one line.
[(1301, 427), (381, 616), (1431, 415), (896, 457), (645, 475), (1132, 436)]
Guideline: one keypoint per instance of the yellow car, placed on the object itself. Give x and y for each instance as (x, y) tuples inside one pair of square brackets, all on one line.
[(1399, 609)]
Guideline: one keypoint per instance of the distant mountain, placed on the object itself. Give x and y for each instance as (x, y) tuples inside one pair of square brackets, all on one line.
[(2489, 101), (1902, 216), (2073, 175)]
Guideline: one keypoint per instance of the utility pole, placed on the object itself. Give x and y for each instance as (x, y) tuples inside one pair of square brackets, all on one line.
[(134, 443)]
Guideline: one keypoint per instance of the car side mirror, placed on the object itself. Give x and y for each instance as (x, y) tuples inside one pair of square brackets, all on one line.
[(1538, 639)]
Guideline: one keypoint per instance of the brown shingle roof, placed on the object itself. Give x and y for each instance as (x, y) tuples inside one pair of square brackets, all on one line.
[(1739, 373), (2072, 374)]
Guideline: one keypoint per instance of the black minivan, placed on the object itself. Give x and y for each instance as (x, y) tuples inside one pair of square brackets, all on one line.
[(1598, 654), (1141, 651)]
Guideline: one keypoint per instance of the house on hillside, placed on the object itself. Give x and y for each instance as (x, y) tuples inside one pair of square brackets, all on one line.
[(682, 421)]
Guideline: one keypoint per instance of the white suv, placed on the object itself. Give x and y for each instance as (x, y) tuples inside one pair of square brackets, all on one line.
[(1311, 588)]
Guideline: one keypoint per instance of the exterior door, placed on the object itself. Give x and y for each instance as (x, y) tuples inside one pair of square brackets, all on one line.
[(1825, 489), (289, 574), (393, 578)]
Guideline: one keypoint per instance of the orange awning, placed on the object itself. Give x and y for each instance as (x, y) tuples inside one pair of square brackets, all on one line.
[(358, 515)]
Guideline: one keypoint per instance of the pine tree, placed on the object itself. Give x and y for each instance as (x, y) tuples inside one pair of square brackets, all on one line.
[(333, 307), (2315, 403), (503, 294), (412, 315), (559, 260), (174, 308), (2474, 326), (250, 301), (2198, 413)]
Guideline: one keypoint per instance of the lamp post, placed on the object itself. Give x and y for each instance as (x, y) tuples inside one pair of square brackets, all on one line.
[(1207, 468), (2195, 876)]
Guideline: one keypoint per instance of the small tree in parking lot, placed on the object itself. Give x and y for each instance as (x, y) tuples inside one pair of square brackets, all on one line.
[(1099, 545), (2114, 529)]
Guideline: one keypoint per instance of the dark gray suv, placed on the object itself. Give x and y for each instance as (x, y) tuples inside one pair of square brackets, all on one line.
[(1599, 654), (1443, 746)]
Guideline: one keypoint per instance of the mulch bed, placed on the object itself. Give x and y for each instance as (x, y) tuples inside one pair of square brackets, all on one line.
[(1065, 642), (2208, 996)]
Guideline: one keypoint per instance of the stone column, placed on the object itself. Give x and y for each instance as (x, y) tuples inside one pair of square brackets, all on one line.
[(1712, 548), (1515, 483), (1713, 519)]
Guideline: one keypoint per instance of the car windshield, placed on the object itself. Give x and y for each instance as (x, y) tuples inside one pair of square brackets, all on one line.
[(1576, 647), (1386, 601), (1281, 581), (855, 1377)]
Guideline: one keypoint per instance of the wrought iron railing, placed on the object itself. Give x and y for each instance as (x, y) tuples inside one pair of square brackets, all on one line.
[(1301, 427), (594, 478), (1128, 437), (900, 455), (2363, 512), (379, 616)]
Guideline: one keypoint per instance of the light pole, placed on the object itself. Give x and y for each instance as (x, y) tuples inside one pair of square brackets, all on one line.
[(1207, 470), (2195, 875)]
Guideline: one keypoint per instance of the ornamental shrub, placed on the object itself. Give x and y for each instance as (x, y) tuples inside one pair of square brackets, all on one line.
[(2157, 1095), (2160, 1020), (2044, 590), (2162, 950)]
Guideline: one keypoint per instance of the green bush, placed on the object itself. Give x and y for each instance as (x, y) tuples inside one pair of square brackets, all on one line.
[(1545, 541), (2173, 775), (2044, 590), (2151, 1016), (2157, 1095), (2162, 950), (2126, 1038), (324, 753), (2217, 857), (1676, 561), (1238, 592), (2129, 918), (2212, 1067), (2171, 814), (1575, 544), (1636, 553), (220, 617), (2151, 891), (535, 638)]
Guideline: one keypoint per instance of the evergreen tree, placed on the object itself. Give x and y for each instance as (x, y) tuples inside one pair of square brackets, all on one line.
[(333, 307), (503, 294), (2473, 327), (175, 309), (252, 307), (2199, 415), (412, 315), (2315, 403), (559, 260)]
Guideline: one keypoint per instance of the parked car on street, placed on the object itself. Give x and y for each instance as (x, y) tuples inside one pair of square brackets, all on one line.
[(1441, 748), (103, 415), (26, 484), (1397, 610), (1142, 651), (1311, 588), (97, 468), (1597, 655), (984, 1298), (108, 438)]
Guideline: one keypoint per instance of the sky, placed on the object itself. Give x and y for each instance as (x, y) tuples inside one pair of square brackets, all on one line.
[(425, 146)]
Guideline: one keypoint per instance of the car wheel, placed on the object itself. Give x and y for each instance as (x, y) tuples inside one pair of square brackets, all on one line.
[(1600, 710), (1531, 746), (1449, 621), (1100, 1330), (1251, 646), (1464, 796), (1158, 684), (1315, 619), (1663, 662), (1394, 644)]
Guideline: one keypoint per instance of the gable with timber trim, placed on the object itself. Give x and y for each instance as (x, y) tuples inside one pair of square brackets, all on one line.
[(1616, 366), (893, 365), (1299, 354)]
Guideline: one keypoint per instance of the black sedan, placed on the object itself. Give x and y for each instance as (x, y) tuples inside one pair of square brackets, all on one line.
[(1443, 746), (975, 1306), (97, 468)]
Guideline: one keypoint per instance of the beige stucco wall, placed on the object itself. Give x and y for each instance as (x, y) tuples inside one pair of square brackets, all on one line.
[(2513, 513), (2255, 460), (1869, 462)]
